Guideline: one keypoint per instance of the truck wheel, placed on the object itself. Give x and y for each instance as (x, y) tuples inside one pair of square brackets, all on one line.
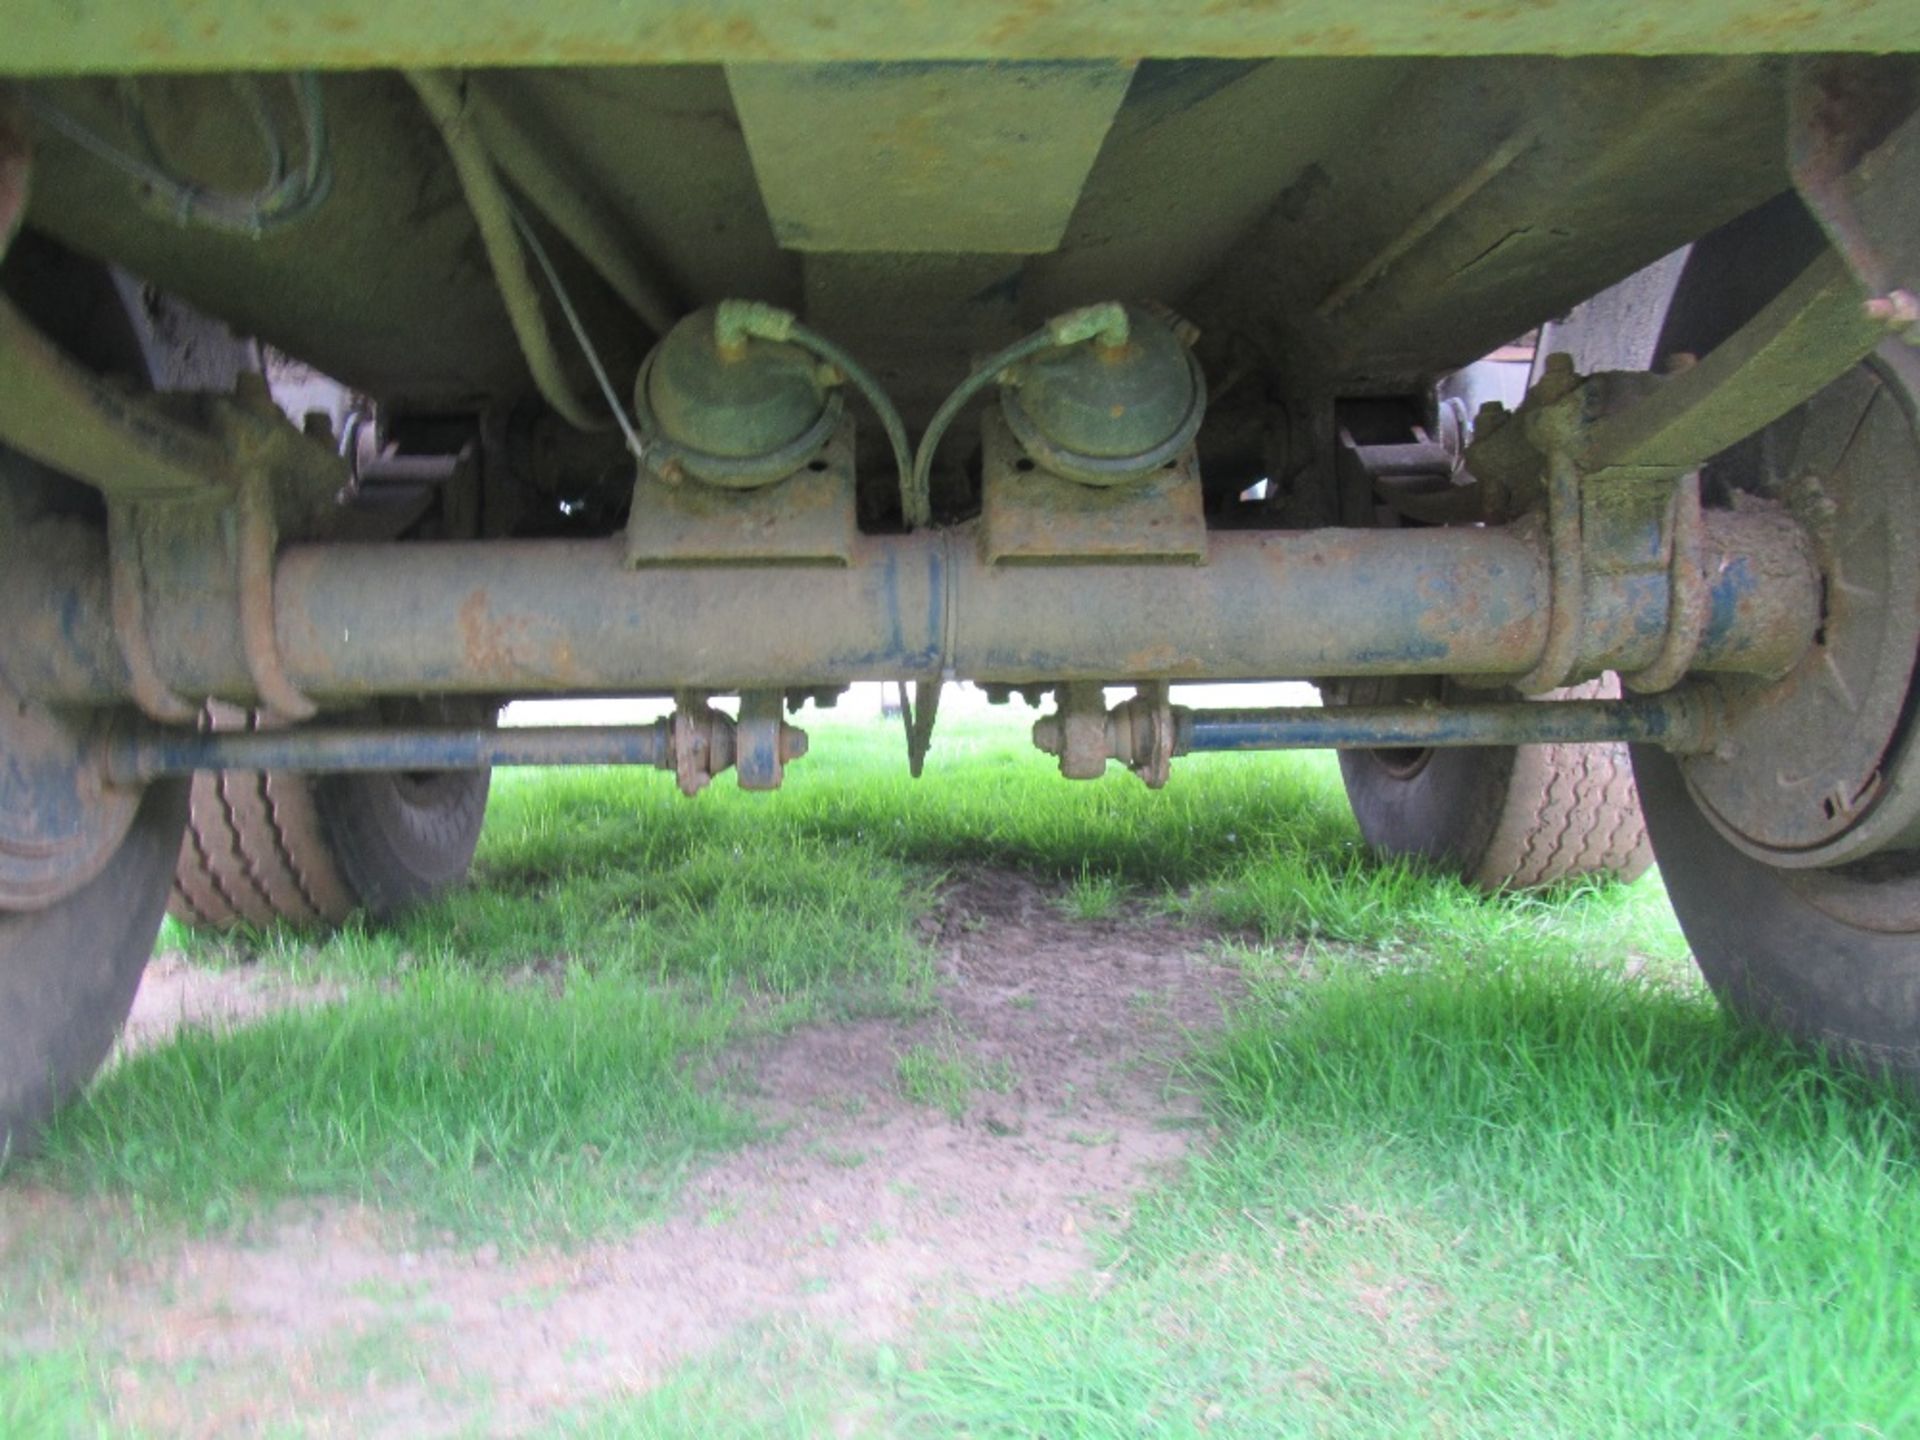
[(68, 970), (1792, 854), (1514, 817), (266, 846), (1830, 957)]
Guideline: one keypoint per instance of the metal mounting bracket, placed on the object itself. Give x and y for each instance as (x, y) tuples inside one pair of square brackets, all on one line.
[(1854, 152), (807, 518), (1030, 514)]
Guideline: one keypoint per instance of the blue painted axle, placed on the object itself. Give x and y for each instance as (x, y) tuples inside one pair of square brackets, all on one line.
[(1677, 721)]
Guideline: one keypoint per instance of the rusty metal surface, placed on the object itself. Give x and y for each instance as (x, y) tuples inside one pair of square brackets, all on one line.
[(1855, 154), (763, 742), (699, 743), (1567, 594), (559, 617), (1152, 736), (255, 544), (1607, 464), (1145, 733), (919, 709), (808, 518), (198, 572), (1142, 733), (1076, 731), (127, 582), (1030, 514), (696, 743), (703, 742), (1684, 537)]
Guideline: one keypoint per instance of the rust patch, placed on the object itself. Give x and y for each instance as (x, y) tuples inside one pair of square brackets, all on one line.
[(481, 640), (1160, 659)]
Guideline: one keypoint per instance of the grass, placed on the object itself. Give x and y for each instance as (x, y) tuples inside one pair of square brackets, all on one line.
[(44, 1395), (1480, 1167), (1090, 897), (484, 1109), (942, 1077), (1527, 1198), (454, 1075)]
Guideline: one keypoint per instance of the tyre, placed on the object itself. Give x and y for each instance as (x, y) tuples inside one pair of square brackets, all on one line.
[(1829, 957), (267, 846), (1513, 817), (1791, 929), (71, 957), (68, 971)]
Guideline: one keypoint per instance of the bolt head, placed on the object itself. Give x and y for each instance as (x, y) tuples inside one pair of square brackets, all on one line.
[(793, 742), (1897, 309)]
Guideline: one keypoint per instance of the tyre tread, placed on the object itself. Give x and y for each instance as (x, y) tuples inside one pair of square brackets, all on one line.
[(1522, 818), (266, 846), (1572, 811)]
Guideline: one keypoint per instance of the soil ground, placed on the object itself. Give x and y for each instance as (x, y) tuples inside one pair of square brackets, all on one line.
[(863, 1209)]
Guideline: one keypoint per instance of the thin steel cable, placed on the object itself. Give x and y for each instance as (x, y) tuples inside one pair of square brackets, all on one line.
[(539, 251)]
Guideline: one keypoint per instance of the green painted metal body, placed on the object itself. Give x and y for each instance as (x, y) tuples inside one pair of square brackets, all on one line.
[(738, 414), (1108, 410), (909, 158), (1243, 193), (63, 37)]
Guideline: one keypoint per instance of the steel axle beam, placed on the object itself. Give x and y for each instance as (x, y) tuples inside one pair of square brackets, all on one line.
[(568, 617)]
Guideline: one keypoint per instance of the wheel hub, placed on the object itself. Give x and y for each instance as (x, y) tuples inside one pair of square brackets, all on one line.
[(60, 823), (1817, 769)]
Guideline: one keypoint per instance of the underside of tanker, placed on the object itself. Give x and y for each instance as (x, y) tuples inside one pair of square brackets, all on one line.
[(1531, 383)]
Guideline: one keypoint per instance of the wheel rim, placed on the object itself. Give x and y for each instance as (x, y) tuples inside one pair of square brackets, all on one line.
[(1816, 769)]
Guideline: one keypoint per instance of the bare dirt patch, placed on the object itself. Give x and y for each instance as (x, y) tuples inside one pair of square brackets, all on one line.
[(176, 994), (862, 1210)]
